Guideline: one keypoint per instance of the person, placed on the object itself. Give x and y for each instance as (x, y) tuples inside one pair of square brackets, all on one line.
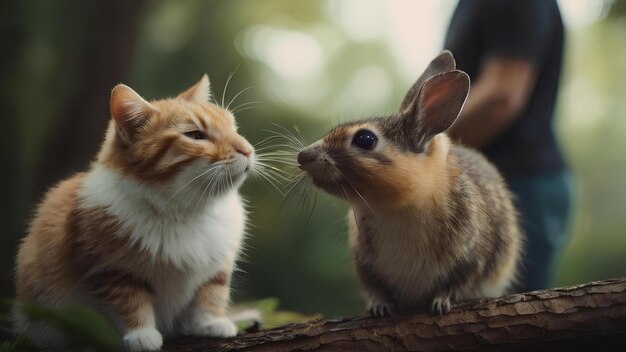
[(512, 50)]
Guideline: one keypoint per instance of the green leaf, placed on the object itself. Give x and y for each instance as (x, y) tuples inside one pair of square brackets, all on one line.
[(83, 326), (266, 305), (19, 344), (272, 317)]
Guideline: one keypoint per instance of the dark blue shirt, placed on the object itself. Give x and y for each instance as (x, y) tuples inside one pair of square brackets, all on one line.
[(531, 30)]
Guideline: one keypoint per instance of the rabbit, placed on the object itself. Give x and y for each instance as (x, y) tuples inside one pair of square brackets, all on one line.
[(431, 222)]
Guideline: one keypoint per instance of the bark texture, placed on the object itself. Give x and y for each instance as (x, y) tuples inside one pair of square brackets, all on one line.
[(584, 317)]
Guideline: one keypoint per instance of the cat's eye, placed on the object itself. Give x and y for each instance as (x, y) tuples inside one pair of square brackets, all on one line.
[(365, 139), (195, 134)]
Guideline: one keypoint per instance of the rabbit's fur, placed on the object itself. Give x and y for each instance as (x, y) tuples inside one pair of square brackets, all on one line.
[(431, 222)]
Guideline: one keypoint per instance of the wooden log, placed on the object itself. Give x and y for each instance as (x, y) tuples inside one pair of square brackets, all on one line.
[(582, 317)]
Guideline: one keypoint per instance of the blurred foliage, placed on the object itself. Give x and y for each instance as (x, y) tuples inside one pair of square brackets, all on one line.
[(593, 130), (265, 314), (304, 264), (82, 327), (19, 343), (86, 328)]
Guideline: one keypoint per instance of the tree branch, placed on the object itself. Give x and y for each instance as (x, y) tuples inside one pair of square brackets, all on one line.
[(589, 316)]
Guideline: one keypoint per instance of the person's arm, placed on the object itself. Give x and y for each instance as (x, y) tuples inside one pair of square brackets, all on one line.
[(514, 36), (495, 101)]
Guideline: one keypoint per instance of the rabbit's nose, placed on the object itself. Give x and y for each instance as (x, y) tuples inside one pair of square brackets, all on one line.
[(306, 158)]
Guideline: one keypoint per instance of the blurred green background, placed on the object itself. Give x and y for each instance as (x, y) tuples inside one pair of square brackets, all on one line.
[(310, 62)]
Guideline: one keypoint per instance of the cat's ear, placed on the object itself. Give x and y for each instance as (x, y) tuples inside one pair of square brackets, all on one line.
[(438, 105), (129, 110), (444, 62), (199, 92)]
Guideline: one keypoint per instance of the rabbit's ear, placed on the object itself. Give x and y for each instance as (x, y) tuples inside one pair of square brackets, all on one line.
[(438, 105), (442, 63)]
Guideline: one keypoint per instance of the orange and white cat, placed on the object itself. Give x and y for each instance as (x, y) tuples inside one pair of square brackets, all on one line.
[(150, 233)]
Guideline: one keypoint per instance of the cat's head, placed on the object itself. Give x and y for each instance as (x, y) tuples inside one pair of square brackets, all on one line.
[(175, 143)]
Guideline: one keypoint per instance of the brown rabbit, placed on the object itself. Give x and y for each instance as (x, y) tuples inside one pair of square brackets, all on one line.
[(431, 222)]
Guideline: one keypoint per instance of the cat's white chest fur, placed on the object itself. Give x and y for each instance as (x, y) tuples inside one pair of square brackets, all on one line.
[(188, 248)]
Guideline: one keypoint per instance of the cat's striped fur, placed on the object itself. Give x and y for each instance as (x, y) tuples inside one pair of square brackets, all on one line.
[(151, 231)]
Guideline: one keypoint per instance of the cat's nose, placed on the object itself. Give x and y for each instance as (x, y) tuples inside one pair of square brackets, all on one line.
[(244, 151), (241, 146)]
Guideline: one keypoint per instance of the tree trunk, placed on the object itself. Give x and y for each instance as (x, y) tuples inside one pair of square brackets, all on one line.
[(102, 60), (583, 317)]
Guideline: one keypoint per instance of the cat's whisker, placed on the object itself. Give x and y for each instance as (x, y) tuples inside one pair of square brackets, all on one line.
[(223, 182), (287, 164), (299, 182), (175, 220), (268, 139), (229, 182), (290, 140), (282, 153), (289, 136), (217, 189), (238, 94), (269, 181), (295, 184), (279, 178), (288, 132), (246, 104), (241, 107), (289, 146), (208, 181), (268, 150), (277, 158), (282, 162), (272, 173), (271, 150), (211, 184), (279, 168), (244, 109), (272, 178), (230, 76), (288, 156), (185, 185)]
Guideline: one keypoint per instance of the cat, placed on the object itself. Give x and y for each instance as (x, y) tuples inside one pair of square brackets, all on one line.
[(150, 233)]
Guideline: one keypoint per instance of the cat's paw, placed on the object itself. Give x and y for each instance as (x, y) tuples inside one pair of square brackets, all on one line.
[(441, 305), (381, 309), (147, 339), (215, 327)]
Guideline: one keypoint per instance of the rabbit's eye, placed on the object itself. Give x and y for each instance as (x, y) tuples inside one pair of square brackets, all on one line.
[(364, 139)]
